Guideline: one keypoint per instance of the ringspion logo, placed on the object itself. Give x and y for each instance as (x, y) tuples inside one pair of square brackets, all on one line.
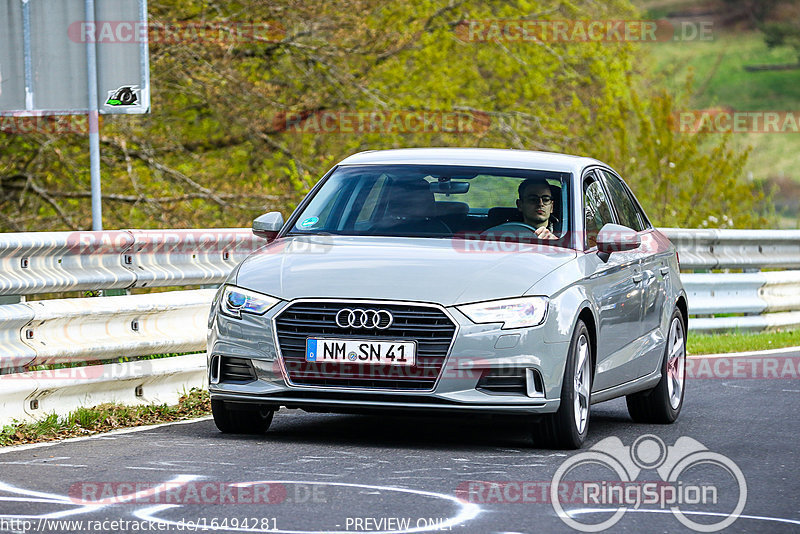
[(608, 475)]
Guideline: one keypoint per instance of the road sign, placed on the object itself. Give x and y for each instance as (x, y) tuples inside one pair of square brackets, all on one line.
[(44, 66), (73, 57)]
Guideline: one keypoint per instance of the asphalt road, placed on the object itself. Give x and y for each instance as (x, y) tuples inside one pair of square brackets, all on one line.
[(321, 473)]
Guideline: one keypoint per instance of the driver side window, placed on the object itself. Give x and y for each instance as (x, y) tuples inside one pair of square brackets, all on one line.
[(596, 212)]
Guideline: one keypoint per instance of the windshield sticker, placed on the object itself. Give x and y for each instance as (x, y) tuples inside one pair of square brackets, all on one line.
[(308, 223)]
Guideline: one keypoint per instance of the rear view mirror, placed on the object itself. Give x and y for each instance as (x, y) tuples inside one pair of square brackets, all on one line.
[(450, 188), (268, 225), (616, 238)]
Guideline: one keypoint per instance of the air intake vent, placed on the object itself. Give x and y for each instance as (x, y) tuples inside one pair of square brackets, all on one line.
[(236, 370), (503, 382)]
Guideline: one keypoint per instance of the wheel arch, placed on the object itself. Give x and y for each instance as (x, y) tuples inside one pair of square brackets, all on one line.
[(683, 306), (587, 317)]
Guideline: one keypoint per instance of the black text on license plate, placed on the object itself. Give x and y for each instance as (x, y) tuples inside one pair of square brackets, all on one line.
[(361, 351)]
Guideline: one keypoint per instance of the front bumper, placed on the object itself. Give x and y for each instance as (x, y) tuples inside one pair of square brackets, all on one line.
[(477, 349)]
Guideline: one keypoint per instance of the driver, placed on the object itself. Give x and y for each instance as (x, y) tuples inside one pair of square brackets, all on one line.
[(535, 202)]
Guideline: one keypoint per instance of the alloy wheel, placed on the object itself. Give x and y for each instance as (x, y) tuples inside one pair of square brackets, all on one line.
[(676, 364), (583, 380)]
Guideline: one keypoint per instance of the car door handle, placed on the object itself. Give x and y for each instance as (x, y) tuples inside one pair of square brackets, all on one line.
[(665, 271), (637, 278)]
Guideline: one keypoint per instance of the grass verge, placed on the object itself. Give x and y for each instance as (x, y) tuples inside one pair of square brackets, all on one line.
[(741, 342), (105, 417)]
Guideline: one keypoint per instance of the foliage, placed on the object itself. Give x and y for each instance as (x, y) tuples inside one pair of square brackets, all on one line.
[(105, 417), (777, 19), (740, 341), (783, 34), (216, 150)]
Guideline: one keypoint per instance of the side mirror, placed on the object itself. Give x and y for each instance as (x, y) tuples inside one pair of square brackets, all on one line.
[(616, 238), (268, 225)]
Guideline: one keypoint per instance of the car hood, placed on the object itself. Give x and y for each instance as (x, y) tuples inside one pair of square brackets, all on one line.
[(441, 271)]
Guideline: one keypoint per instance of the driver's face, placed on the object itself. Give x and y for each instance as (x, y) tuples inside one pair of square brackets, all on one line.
[(534, 211)]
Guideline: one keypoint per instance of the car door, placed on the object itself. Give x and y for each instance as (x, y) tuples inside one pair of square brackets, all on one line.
[(614, 285), (654, 270)]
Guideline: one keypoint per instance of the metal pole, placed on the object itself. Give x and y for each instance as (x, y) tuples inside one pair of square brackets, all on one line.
[(94, 122), (26, 52)]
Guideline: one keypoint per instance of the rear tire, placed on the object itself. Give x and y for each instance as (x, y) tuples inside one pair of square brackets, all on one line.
[(569, 426), (663, 403), (245, 420)]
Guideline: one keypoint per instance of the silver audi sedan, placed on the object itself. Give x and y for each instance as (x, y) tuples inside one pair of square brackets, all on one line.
[(455, 281)]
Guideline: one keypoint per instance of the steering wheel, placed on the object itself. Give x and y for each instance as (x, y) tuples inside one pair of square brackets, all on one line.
[(510, 227)]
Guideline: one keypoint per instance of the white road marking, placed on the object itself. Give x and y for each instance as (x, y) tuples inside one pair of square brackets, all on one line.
[(45, 461), (466, 511), (81, 507), (106, 435), (716, 514)]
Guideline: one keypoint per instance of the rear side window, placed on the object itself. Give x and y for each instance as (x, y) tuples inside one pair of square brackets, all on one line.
[(626, 210)]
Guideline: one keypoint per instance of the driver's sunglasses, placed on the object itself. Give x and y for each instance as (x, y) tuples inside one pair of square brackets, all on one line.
[(534, 199)]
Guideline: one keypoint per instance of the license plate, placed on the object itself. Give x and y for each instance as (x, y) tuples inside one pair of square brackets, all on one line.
[(361, 351)]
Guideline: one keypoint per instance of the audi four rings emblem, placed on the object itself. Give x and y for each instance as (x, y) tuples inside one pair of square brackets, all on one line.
[(358, 318)]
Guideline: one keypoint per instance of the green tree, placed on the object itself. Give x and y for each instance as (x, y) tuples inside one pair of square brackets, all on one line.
[(783, 34), (216, 149)]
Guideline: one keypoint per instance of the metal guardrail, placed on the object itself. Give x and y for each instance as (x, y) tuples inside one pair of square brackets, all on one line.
[(27, 396), (752, 293), (89, 329), (736, 249), (94, 329), (769, 300), (51, 262)]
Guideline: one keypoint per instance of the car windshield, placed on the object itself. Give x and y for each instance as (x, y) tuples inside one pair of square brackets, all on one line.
[(437, 201)]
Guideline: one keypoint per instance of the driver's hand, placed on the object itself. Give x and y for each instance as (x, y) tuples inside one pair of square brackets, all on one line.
[(545, 233)]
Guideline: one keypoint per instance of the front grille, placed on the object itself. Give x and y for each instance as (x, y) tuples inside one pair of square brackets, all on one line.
[(236, 370), (428, 326)]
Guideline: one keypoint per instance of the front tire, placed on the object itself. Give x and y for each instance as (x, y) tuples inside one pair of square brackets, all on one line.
[(245, 420), (663, 403), (569, 426)]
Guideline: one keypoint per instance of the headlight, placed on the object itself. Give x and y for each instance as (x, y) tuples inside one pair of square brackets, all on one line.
[(236, 300), (513, 313)]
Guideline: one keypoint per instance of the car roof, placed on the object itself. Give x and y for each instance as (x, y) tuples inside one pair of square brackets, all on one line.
[(481, 157)]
